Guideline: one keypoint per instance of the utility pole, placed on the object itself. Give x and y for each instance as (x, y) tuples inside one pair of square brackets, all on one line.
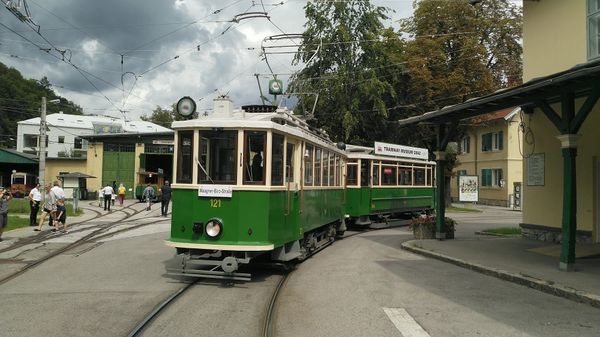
[(42, 150)]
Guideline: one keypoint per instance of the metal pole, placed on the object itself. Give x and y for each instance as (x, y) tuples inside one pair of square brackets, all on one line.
[(42, 150)]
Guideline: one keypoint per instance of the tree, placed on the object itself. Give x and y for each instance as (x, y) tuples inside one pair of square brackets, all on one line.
[(21, 99), (457, 52), (160, 116), (352, 97), (164, 117)]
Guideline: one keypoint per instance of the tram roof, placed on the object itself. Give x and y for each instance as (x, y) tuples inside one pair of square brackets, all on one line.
[(281, 120)]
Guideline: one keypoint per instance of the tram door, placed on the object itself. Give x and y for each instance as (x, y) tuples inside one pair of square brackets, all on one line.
[(365, 183), (292, 182)]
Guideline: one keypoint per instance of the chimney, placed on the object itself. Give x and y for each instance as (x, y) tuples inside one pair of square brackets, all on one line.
[(223, 106)]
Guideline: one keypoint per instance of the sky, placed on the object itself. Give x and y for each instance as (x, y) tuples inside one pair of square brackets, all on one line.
[(120, 57)]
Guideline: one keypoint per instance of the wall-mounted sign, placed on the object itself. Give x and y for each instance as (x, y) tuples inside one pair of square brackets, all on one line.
[(401, 151), (215, 191), (468, 188), (535, 169), (275, 87)]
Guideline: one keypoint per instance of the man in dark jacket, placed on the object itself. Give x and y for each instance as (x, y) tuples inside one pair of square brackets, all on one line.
[(165, 198)]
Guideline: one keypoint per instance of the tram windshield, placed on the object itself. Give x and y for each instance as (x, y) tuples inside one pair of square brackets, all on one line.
[(217, 157)]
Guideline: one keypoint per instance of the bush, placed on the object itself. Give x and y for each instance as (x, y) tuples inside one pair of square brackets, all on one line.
[(424, 227)]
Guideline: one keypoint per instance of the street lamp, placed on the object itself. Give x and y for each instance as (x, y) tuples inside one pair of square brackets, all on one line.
[(42, 145)]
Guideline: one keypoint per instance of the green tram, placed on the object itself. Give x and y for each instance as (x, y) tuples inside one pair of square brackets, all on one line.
[(252, 184), (387, 181)]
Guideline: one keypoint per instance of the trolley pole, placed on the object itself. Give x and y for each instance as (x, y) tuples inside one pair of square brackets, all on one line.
[(42, 150)]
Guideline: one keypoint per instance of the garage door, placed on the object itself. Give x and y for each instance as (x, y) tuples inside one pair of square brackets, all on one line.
[(118, 164)]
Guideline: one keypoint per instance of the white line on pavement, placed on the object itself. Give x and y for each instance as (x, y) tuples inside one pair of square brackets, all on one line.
[(404, 322)]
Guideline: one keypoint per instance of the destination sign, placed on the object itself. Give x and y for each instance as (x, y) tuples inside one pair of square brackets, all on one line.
[(215, 191), (401, 151)]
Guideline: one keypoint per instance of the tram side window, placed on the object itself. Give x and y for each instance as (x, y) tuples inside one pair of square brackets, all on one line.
[(308, 165), (389, 175), (184, 157), (289, 162), (364, 172), (277, 157), (351, 172), (317, 166), (325, 168), (254, 157), (419, 176), (405, 176), (332, 166), (376, 169), (338, 170), (217, 155)]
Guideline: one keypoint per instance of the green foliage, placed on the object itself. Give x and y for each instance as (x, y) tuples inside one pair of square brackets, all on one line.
[(164, 117), (21, 99), (21, 206), (345, 72)]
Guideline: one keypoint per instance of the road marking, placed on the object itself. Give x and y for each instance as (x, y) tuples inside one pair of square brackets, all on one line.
[(404, 322)]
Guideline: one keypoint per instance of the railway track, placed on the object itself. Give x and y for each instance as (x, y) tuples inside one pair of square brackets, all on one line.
[(268, 330), (98, 233)]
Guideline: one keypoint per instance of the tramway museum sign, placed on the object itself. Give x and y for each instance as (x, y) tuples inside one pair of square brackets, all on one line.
[(401, 151), (215, 191)]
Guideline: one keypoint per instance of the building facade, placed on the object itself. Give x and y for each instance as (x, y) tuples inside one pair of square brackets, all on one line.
[(64, 134), (558, 35), (491, 149)]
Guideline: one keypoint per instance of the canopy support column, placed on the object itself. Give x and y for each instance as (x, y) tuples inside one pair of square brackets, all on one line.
[(444, 131)]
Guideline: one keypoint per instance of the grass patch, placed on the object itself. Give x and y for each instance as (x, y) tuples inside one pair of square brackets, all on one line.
[(504, 231), (21, 206), (15, 221), (462, 209)]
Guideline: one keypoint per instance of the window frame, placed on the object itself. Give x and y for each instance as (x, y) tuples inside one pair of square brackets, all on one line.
[(589, 15)]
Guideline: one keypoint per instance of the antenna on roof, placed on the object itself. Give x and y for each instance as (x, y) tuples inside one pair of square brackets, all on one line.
[(125, 118)]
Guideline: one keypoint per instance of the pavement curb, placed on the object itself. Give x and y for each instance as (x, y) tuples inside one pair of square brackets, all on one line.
[(528, 281)]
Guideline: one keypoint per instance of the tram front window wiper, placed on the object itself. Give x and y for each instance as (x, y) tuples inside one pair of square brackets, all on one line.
[(204, 170)]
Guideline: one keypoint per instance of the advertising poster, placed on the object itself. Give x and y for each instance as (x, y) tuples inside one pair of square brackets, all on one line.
[(468, 188)]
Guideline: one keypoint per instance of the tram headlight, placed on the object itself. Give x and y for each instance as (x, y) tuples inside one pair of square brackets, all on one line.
[(213, 228)]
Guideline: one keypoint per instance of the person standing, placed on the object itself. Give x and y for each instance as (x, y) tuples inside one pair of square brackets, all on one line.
[(47, 210), (148, 195), (4, 199), (165, 198), (35, 197), (60, 215), (107, 192), (114, 196), (121, 192)]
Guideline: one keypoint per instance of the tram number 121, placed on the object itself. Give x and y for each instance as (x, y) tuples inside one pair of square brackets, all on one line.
[(215, 203)]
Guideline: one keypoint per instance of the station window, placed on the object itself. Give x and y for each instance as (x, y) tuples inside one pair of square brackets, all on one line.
[(61, 139), (308, 165), (376, 169), (254, 157), (389, 176), (184, 157), (491, 177), (217, 157), (277, 158)]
